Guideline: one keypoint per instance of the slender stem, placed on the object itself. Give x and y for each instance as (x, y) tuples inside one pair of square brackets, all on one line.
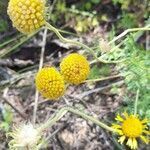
[(56, 31), (7, 100), (41, 63), (24, 116), (114, 62), (102, 78), (64, 110), (40, 67), (146, 28), (136, 102), (86, 93), (52, 120), (91, 118), (129, 30)]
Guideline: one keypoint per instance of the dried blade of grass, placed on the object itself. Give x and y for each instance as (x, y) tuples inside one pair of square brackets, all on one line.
[(80, 96), (41, 62), (23, 115), (5, 52), (40, 67), (10, 41)]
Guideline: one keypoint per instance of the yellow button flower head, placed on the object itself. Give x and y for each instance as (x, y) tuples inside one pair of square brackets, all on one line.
[(27, 15), (74, 68), (130, 129), (50, 83)]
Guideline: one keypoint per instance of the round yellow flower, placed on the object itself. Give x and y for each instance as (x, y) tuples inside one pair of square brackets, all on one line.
[(50, 83), (75, 68), (27, 15), (130, 129)]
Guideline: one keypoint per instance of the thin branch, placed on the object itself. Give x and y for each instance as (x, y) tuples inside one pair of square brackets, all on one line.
[(66, 101), (40, 67), (147, 40), (136, 102), (41, 63), (129, 30), (13, 107), (146, 28), (24, 116), (80, 96), (102, 78)]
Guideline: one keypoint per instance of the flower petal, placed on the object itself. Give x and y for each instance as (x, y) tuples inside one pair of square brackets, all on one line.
[(116, 126), (119, 132), (146, 132), (144, 139), (145, 127), (121, 139), (126, 114), (119, 118), (144, 121), (130, 143), (134, 143)]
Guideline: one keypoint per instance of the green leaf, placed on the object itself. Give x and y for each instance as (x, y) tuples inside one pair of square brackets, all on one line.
[(95, 1)]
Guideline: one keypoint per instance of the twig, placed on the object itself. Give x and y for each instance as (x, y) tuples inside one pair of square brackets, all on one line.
[(80, 96), (16, 78), (103, 78), (41, 63), (66, 101), (147, 41), (47, 139), (136, 102), (24, 116), (40, 66), (17, 110)]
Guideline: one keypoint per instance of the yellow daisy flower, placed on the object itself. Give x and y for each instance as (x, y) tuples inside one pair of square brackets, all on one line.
[(131, 128)]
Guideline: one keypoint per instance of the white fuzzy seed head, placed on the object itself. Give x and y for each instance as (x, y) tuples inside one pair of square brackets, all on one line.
[(24, 136)]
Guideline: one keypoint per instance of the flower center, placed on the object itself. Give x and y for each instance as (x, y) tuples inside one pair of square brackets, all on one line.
[(132, 127)]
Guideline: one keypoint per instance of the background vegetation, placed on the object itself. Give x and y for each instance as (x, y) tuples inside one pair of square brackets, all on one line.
[(94, 22)]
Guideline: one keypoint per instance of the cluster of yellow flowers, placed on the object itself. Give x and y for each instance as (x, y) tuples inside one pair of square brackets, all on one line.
[(74, 69), (28, 16)]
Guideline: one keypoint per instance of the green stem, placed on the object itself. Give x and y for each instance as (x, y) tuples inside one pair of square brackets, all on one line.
[(102, 78), (56, 31), (64, 110), (147, 28), (136, 102)]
